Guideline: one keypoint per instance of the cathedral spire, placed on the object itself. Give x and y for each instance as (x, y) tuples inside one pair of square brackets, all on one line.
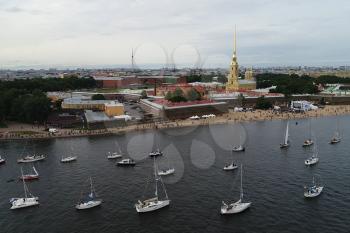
[(235, 43)]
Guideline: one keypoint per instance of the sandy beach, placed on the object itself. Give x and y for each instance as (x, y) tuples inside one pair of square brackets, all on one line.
[(18, 131)]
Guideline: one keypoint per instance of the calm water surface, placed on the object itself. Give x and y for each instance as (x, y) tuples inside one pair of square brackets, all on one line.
[(273, 180)]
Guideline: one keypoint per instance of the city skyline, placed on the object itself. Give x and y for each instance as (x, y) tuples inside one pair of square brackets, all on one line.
[(39, 34)]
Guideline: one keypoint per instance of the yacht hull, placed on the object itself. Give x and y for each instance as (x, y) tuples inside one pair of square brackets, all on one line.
[(235, 209), (88, 205), (152, 206)]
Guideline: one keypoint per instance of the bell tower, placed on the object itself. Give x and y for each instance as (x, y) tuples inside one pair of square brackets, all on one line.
[(232, 79)]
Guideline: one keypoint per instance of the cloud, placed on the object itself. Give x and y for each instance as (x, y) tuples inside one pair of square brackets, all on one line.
[(104, 31)]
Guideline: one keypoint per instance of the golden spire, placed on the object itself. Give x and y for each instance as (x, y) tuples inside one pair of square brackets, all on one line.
[(235, 44)]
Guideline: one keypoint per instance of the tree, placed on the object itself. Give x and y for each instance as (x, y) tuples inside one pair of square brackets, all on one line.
[(144, 95), (168, 96), (241, 99), (193, 94), (98, 97), (262, 103)]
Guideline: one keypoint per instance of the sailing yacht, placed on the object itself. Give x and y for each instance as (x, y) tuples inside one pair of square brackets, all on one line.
[(31, 158), (114, 155), (168, 171), (2, 160), (285, 143), (23, 202), (156, 153), (314, 158), (336, 138), (238, 206), (153, 203), (90, 200), (314, 190), (68, 159), (240, 147), (231, 166), (308, 142), (34, 176)]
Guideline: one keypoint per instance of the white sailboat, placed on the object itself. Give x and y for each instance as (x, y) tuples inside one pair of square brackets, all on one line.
[(167, 171), (68, 159), (30, 158), (2, 160), (314, 158), (309, 142), (336, 138), (156, 153), (240, 147), (90, 200), (314, 190), (153, 203), (238, 206), (18, 203), (114, 155), (231, 166), (285, 143)]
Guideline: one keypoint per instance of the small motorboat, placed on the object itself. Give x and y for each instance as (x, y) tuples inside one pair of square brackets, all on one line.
[(2, 160), (90, 200), (230, 167), (114, 155), (156, 153), (29, 177), (238, 148), (166, 172), (126, 162), (31, 158), (68, 159), (308, 142), (314, 190), (311, 161)]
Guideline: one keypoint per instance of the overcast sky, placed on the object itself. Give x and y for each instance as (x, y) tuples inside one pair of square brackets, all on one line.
[(98, 33)]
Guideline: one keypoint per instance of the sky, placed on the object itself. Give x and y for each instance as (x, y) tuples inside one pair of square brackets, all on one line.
[(187, 33)]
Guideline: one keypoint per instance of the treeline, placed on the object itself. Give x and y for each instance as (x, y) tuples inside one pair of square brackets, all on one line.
[(287, 84), (49, 84), (25, 100), (331, 79), (179, 96), (205, 78)]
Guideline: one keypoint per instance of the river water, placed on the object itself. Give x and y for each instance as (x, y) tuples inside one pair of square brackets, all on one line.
[(273, 180)]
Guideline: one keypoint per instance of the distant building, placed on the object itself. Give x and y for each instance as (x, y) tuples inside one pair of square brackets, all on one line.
[(110, 108), (114, 108)]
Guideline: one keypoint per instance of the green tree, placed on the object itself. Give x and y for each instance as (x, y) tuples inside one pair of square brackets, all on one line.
[(193, 94), (144, 95), (241, 99), (168, 95), (263, 103), (98, 97)]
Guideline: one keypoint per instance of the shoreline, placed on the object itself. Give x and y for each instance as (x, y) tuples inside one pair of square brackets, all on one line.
[(24, 132)]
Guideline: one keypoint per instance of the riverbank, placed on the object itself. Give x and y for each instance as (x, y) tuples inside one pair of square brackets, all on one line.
[(16, 131)]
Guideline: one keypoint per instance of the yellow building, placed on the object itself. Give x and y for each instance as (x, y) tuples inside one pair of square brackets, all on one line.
[(114, 109)]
